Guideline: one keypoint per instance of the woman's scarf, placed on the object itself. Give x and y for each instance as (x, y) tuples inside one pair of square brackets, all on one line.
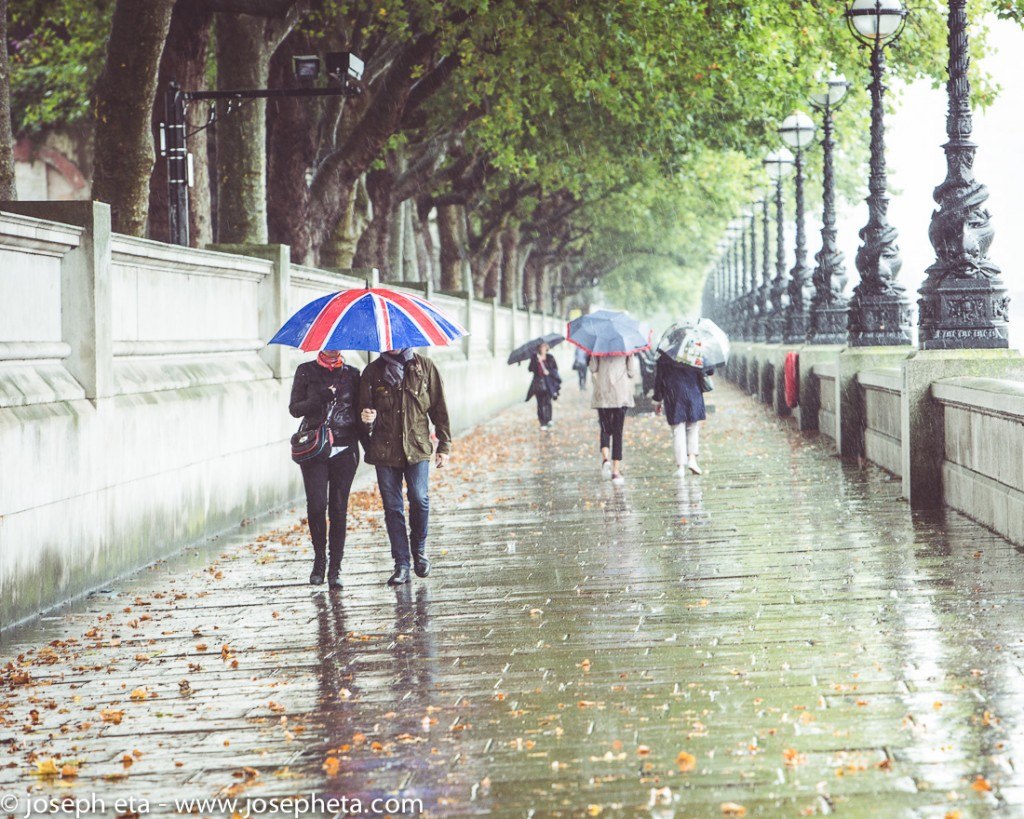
[(394, 365), (543, 365), (330, 363)]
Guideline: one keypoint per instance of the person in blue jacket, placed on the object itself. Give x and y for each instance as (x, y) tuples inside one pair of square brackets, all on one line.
[(677, 391)]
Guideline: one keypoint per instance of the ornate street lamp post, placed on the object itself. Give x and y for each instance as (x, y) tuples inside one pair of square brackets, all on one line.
[(879, 313), (778, 163), (828, 305), (797, 131), (739, 226), (735, 277), (763, 300), (750, 333), (963, 302)]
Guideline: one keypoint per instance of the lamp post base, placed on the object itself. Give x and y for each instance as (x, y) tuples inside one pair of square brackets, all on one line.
[(796, 327), (828, 324), (962, 314), (881, 320)]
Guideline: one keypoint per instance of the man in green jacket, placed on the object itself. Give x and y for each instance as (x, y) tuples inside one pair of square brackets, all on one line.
[(400, 394)]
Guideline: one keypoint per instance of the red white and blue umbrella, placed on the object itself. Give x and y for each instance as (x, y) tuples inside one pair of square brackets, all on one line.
[(374, 319)]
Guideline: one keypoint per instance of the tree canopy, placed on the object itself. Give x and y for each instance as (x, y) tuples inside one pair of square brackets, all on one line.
[(524, 149)]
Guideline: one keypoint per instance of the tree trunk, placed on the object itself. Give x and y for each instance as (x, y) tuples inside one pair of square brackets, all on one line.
[(543, 293), (291, 152), (184, 62), (125, 95), (410, 252), (530, 270), (509, 265), (451, 228), (492, 276), (368, 124), (374, 243), (420, 213), (244, 46), (8, 192), (340, 247)]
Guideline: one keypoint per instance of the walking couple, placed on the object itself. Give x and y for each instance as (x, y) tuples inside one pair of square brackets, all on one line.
[(387, 409)]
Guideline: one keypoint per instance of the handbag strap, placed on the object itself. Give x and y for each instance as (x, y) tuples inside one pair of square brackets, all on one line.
[(329, 411)]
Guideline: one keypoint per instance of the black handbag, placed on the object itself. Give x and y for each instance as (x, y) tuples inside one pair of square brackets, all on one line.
[(706, 384), (314, 443)]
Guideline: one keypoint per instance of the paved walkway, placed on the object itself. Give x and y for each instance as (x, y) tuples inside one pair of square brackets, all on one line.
[(779, 637)]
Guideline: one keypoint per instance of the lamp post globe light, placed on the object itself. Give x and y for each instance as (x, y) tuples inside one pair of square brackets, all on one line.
[(829, 307), (963, 301), (797, 131), (778, 164), (879, 313)]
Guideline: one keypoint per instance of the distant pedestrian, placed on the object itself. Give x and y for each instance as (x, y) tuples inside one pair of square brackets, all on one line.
[(581, 363), (328, 388), (614, 382), (678, 388), (401, 394), (546, 384)]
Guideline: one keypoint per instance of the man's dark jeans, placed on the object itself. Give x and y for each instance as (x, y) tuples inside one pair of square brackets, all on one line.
[(417, 480)]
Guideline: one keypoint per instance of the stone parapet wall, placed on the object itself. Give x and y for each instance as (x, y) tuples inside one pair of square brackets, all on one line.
[(141, 411), (949, 423), (882, 395), (983, 469)]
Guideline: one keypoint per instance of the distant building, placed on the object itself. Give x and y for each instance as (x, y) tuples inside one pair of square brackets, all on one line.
[(50, 167)]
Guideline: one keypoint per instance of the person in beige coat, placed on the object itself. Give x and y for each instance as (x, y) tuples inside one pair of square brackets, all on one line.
[(614, 380)]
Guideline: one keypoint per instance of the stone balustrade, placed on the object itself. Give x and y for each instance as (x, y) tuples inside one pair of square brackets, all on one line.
[(948, 424), (140, 409)]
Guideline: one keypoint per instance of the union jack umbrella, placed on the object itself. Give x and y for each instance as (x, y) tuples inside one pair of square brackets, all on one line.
[(373, 319)]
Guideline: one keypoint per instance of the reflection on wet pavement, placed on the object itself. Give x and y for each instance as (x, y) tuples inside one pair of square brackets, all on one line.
[(779, 635)]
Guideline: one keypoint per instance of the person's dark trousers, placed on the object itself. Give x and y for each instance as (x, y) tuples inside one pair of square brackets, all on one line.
[(544, 411), (612, 421), (417, 481), (583, 379), (327, 487)]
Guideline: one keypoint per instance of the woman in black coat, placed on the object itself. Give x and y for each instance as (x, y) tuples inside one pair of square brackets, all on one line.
[(545, 385), (325, 385), (677, 388)]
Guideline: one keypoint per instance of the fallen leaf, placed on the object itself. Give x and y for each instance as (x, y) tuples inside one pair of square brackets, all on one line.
[(47, 767), (792, 757), (981, 784), (686, 762), (733, 809)]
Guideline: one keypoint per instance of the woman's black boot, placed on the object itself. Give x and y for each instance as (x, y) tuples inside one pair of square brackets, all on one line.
[(316, 577)]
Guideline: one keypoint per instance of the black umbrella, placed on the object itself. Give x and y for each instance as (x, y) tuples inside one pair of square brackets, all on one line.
[(525, 351)]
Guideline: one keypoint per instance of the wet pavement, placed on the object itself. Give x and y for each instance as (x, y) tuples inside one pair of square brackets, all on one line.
[(778, 637)]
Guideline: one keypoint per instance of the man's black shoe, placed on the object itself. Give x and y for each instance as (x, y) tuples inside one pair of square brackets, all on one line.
[(316, 578), (400, 576), (421, 566), (334, 582)]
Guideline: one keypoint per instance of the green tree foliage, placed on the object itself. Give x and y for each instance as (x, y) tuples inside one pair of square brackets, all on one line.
[(612, 138), (56, 54)]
